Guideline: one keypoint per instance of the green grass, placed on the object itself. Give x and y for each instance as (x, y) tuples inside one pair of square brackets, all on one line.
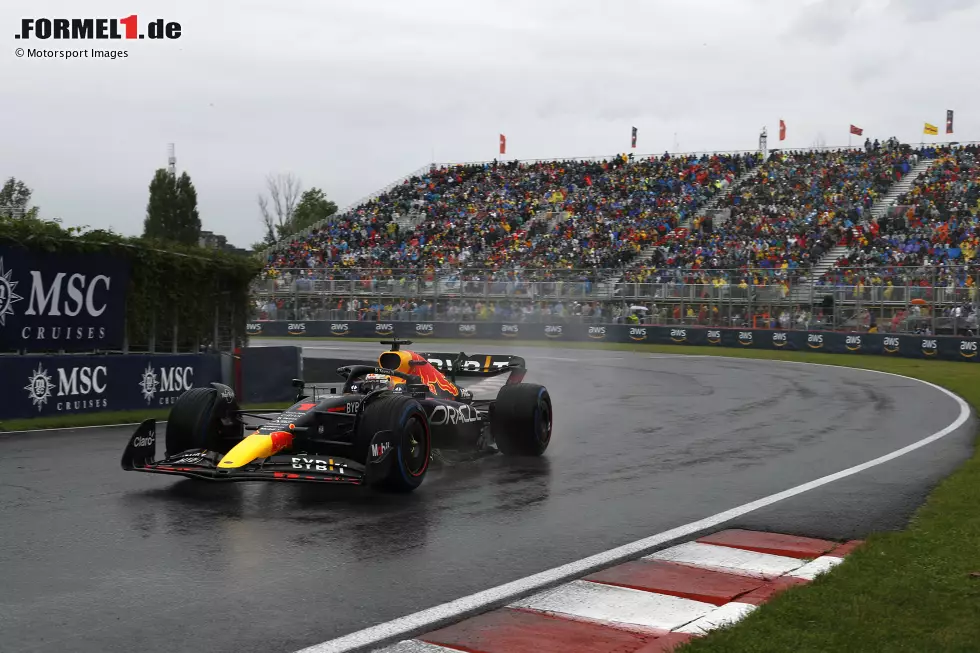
[(98, 419)]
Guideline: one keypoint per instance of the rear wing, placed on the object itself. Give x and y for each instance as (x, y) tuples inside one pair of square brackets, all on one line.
[(464, 366)]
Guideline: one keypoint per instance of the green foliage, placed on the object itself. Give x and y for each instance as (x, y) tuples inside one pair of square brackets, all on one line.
[(14, 198), (170, 283), (171, 212), (313, 206)]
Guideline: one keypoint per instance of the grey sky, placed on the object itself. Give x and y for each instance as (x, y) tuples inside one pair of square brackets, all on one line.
[(350, 96)]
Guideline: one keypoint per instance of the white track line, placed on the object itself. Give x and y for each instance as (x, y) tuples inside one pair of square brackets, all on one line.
[(425, 620), (75, 428), (734, 561)]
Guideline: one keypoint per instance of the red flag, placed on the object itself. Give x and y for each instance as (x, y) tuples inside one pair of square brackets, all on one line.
[(857, 131), (782, 130), (503, 144)]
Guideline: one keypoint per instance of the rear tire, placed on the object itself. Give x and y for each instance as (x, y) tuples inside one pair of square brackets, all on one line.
[(195, 423), (522, 420), (404, 417)]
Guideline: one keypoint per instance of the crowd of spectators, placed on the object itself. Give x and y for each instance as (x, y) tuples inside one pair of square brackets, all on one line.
[(931, 239), (788, 215), (551, 215)]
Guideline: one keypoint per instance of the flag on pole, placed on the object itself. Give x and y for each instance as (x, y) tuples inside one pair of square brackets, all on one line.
[(857, 131), (782, 130), (634, 137), (949, 121), (931, 130), (503, 144)]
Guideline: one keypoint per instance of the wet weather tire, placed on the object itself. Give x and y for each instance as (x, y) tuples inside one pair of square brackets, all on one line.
[(522, 420), (404, 417), (194, 422)]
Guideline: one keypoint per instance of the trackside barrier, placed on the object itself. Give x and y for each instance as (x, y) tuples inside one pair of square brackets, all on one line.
[(42, 386), (267, 374), (949, 348)]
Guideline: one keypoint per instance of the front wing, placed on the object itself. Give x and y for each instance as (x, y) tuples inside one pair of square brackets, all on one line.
[(140, 453)]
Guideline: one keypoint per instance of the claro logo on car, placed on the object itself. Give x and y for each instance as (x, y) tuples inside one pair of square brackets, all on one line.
[(78, 388)]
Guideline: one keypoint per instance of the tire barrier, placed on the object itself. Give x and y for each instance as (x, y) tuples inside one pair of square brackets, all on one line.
[(949, 348)]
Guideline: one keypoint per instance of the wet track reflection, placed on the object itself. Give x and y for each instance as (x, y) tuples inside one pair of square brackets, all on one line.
[(96, 559)]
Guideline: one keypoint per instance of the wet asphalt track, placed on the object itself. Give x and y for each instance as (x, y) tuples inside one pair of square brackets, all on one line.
[(96, 559)]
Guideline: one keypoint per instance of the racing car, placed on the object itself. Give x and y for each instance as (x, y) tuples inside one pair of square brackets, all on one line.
[(379, 429)]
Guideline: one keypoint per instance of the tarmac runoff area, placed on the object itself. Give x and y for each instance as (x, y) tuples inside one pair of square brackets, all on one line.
[(651, 453)]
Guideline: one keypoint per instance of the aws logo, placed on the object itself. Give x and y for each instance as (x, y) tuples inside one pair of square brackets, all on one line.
[(425, 329), (253, 328), (552, 330), (510, 330), (780, 339), (891, 344), (638, 333), (339, 329), (678, 335), (968, 348), (814, 340), (714, 337), (297, 329), (384, 329), (745, 338), (930, 347), (853, 343), (467, 330), (597, 332)]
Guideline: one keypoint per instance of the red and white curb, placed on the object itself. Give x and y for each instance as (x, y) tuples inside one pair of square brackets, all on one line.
[(648, 605)]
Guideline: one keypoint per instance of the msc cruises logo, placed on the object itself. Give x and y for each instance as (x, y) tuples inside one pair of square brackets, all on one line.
[(7, 294), (149, 383), (39, 387)]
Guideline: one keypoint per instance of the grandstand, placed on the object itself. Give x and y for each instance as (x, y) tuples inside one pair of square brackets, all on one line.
[(712, 238)]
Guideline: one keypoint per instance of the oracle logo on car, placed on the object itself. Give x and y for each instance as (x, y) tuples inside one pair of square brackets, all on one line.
[(552, 330), (510, 330), (638, 333), (425, 329), (968, 348), (714, 336), (892, 344), (678, 335), (339, 328), (597, 332), (853, 343), (297, 329), (745, 338)]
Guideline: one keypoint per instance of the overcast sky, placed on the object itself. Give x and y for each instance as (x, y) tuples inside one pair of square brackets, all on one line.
[(350, 96)]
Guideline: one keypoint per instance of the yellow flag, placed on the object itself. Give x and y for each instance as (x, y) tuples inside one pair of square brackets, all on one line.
[(932, 130)]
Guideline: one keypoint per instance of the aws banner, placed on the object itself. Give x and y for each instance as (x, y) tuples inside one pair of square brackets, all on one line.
[(34, 386), (74, 302)]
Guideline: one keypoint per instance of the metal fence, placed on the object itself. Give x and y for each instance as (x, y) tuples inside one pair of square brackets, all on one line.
[(904, 300)]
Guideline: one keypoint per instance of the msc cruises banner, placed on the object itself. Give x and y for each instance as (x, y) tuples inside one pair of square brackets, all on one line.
[(908, 346), (75, 302), (36, 386)]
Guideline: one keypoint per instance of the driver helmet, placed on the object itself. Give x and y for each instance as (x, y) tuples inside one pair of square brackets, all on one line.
[(372, 382)]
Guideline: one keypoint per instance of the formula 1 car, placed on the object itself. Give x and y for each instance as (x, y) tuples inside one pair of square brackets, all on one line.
[(380, 429)]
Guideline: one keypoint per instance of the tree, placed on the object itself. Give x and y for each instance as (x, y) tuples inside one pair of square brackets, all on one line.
[(171, 212), (312, 208), (14, 198), (284, 193)]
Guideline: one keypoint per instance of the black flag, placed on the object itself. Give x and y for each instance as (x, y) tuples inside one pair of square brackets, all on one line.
[(949, 121), (634, 137)]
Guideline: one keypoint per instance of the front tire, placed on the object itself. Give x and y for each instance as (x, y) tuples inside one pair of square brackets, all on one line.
[(196, 422), (522, 420), (404, 417)]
